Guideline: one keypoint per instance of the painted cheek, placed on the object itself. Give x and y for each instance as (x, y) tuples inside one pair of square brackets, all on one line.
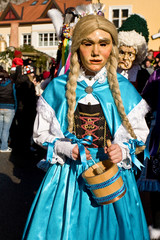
[(84, 54), (106, 56), (106, 52)]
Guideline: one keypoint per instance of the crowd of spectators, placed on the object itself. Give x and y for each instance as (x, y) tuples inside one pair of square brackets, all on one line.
[(152, 61), (21, 88)]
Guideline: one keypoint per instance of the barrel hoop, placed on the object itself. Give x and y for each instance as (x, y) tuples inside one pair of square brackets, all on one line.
[(111, 196), (104, 184)]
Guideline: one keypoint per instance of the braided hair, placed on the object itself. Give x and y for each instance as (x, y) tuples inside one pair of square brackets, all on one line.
[(83, 28)]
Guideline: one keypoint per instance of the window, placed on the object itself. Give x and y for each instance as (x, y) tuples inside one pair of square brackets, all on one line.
[(34, 3), (45, 1), (118, 14), (8, 39), (47, 39), (27, 39)]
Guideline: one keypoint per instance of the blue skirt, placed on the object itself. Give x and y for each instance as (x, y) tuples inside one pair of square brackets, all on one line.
[(64, 209)]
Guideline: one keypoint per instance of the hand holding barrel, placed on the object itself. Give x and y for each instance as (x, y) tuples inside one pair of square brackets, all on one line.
[(114, 152)]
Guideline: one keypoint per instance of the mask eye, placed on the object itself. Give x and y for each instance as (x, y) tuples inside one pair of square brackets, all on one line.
[(86, 43), (103, 44), (121, 52)]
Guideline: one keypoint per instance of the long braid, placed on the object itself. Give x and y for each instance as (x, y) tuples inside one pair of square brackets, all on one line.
[(114, 86), (71, 90), (80, 32)]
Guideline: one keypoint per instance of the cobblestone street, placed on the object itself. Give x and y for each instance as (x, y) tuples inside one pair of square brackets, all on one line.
[(19, 181)]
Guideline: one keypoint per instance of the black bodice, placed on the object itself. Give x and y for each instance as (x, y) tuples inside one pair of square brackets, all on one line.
[(90, 120)]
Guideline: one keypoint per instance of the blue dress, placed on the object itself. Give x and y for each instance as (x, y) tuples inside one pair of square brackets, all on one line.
[(64, 208)]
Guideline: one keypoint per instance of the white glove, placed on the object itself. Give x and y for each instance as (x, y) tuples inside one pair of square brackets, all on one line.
[(64, 147)]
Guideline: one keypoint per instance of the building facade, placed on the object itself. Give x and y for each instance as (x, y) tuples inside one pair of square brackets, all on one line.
[(28, 23), (117, 11)]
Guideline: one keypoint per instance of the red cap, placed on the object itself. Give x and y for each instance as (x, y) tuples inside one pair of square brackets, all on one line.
[(17, 53), (53, 61), (46, 74)]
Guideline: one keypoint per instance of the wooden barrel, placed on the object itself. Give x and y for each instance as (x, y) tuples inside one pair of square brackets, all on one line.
[(107, 187)]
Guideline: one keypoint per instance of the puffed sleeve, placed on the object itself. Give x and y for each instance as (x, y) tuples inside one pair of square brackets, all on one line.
[(47, 129), (137, 119)]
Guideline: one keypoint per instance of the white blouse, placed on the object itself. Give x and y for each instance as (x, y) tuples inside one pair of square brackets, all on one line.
[(47, 128)]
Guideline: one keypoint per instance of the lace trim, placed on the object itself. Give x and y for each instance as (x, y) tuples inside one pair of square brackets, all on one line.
[(139, 112), (45, 109), (122, 135), (48, 114), (135, 116), (100, 76)]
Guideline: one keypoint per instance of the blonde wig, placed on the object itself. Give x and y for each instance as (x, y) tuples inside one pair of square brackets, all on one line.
[(83, 28)]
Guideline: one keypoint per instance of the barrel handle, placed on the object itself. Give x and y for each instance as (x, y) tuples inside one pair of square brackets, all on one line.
[(96, 168)]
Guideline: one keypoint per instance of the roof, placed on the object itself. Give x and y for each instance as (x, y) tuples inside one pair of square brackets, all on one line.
[(35, 11)]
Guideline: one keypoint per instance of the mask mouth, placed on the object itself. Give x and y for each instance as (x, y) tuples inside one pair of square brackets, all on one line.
[(95, 60), (125, 63)]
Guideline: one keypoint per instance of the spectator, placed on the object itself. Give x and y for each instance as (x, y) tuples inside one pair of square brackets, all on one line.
[(148, 66), (157, 61), (7, 108), (52, 67), (46, 79), (37, 83), (150, 55), (22, 129), (17, 60)]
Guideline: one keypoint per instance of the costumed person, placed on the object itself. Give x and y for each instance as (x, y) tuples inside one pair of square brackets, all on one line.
[(149, 180), (17, 61), (64, 26), (80, 108), (133, 38)]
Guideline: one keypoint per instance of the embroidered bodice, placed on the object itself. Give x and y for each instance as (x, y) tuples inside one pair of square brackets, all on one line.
[(90, 120)]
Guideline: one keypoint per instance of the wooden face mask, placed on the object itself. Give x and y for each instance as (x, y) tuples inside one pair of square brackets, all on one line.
[(126, 57)]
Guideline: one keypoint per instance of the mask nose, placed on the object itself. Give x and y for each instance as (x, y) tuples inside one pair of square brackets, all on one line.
[(95, 51)]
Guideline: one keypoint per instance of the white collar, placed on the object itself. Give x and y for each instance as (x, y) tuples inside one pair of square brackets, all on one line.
[(100, 76)]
